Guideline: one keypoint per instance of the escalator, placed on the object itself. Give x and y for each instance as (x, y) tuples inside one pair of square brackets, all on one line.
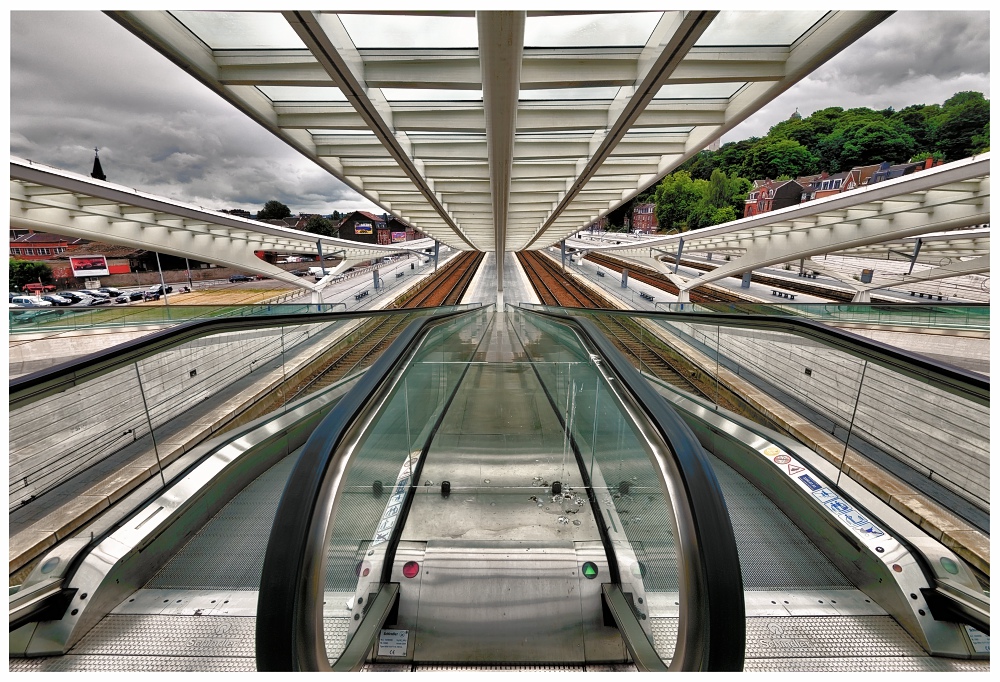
[(507, 528), (500, 490)]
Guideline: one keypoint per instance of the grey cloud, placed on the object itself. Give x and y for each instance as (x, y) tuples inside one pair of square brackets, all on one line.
[(910, 58), (79, 81)]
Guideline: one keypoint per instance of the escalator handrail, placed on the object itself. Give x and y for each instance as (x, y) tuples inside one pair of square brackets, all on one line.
[(29, 388), (957, 381), (289, 631), (712, 627)]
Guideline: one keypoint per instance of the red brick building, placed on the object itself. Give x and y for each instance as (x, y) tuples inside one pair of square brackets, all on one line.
[(769, 195), (644, 217), (41, 245)]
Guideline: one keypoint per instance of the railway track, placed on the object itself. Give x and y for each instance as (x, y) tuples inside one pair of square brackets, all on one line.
[(556, 290), (646, 352), (553, 288), (360, 349), (448, 286), (655, 279), (364, 345)]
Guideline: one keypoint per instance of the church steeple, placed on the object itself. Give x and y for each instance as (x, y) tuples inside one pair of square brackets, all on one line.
[(98, 172), (796, 116)]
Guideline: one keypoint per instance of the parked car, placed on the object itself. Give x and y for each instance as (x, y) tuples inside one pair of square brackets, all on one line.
[(157, 290), (30, 302), (79, 297), (299, 273), (55, 299), (111, 291), (240, 278), (34, 288), (96, 293), (134, 295), (73, 296)]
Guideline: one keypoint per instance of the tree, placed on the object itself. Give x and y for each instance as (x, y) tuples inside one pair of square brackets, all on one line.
[(981, 142), (675, 196), (336, 215), (771, 158), (874, 141), (964, 117), (274, 210), (317, 224), (26, 271)]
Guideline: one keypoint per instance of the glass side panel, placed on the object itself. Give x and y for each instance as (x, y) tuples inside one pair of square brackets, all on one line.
[(848, 406), (240, 30), (144, 414), (380, 473), (636, 513)]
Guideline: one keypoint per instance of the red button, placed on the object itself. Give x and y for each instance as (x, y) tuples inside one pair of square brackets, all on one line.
[(410, 569)]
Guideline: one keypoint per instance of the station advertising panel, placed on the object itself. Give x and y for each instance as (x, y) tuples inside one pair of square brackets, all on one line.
[(398, 237), (362, 228), (89, 266)]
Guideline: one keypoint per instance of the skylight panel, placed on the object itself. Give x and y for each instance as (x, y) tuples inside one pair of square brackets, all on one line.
[(598, 93), (699, 91), (296, 93), (240, 30), (747, 27), (430, 94), (590, 30), (389, 31)]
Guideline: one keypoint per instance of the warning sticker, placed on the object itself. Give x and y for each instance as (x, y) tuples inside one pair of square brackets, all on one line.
[(782, 459), (795, 469), (771, 450)]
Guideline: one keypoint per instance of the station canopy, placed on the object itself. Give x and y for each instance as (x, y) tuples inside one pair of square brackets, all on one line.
[(499, 131)]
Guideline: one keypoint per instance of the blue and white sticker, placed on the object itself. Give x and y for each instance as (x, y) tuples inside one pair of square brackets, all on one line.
[(841, 509)]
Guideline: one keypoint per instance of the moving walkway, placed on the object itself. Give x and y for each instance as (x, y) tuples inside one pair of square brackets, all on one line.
[(501, 489)]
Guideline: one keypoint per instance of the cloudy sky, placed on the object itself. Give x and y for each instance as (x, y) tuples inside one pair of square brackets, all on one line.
[(78, 81)]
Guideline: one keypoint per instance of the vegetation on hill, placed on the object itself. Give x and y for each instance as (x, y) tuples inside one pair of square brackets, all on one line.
[(710, 187)]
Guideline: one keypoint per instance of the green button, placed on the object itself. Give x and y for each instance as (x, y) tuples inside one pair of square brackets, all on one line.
[(949, 565), (590, 570)]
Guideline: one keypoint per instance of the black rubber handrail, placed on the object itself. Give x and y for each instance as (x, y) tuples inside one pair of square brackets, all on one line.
[(712, 629), (963, 383), (26, 389), (289, 636)]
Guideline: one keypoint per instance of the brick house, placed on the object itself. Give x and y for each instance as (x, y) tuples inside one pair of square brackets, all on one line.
[(41, 245), (644, 217), (769, 195)]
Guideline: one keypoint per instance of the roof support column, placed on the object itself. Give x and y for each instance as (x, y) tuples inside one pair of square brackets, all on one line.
[(501, 43)]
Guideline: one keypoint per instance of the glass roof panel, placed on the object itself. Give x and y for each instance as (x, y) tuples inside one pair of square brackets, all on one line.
[(295, 93), (603, 93), (590, 30), (373, 30), (746, 27), (430, 94), (240, 30), (699, 91)]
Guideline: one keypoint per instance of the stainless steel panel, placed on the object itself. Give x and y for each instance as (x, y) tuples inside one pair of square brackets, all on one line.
[(491, 601)]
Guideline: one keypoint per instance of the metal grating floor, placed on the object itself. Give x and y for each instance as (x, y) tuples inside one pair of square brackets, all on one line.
[(228, 552), (774, 553)]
